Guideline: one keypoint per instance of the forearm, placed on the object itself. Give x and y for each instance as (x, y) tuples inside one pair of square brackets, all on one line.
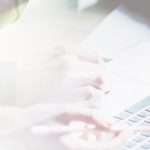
[(43, 112)]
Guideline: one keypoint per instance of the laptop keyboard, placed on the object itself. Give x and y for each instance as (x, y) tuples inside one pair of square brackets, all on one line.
[(136, 116)]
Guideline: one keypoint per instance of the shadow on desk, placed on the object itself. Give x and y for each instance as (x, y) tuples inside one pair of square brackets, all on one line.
[(139, 10)]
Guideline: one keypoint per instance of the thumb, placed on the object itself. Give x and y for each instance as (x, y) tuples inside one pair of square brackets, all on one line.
[(118, 141)]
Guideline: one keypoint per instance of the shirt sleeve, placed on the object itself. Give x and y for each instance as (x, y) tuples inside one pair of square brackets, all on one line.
[(10, 11)]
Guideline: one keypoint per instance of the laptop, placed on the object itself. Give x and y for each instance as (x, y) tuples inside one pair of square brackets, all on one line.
[(124, 39)]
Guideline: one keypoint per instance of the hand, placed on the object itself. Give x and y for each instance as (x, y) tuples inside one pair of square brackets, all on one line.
[(90, 141), (86, 115), (81, 140), (86, 80)]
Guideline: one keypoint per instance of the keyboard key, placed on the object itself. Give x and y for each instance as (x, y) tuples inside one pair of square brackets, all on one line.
[(117, 118), (139, 106), (124, 115), (146, 134), (145, 124), (129, 123), (147, 120), (133, 142), (130, 144), (135, 119), (145, 146), (144, 114), (130, 111), (148, 109), (139, 138)]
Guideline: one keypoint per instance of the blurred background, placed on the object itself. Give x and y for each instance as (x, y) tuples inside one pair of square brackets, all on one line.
[(62, 24), (63, 12)]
